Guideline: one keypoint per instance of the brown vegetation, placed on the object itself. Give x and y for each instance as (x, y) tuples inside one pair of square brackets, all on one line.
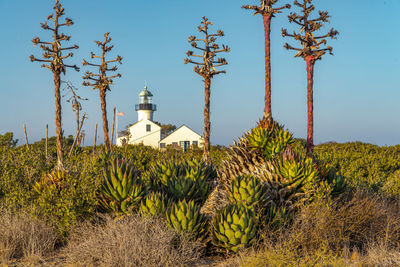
[(25, 238), (130, 241), (359, 228)]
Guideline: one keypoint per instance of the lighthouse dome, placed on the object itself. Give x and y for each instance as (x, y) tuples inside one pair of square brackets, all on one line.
[(145, 93)]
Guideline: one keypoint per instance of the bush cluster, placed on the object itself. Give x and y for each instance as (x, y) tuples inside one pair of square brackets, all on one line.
[(53, 212)]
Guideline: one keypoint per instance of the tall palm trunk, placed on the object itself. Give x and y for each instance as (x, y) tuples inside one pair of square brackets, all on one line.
[(105, 121), (59, 133), (267, 31), (310, 60), (207, 93)]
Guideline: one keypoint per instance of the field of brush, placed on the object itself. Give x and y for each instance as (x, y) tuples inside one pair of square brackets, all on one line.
[(141, 207)]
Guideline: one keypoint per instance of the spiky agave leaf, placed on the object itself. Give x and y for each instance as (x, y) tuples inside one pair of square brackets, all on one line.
[(246, 190), (186, 179), (163, 171), (179, 188), (185, 217), (199, 170), (330, 174), (153, 205), (269, 142), (234, 227), (121, 190), (287, 183), (254, 149), (50, 181)]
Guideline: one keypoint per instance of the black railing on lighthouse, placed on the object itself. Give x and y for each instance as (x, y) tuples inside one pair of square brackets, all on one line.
[(146, 107)]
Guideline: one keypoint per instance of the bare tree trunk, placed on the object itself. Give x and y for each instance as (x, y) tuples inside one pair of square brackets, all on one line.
[(105, 121), (26, 138), (267, 31), (310, 102), (95, 139), (59, 132), (207, 123), (46, 144), (82, 140), (77, 134), (112, 130), (77, 127)]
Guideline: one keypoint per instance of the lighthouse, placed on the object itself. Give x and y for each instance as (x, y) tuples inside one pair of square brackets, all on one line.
[(145, 108), (149, 133)]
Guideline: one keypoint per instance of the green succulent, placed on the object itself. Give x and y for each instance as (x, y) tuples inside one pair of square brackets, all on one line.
[(180, 188), (162, 172), (153, 205), (106, 157), (186, 179), (185, 217), (258, 138), (121, 190), (269, 142), (280, 140), (339, 185), (198, 170), (246, 190), (234, 227), (290, 181)]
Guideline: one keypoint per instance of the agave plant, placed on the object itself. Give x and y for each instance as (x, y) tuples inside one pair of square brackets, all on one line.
[(51, 181), (188, 179), (330, 174), (198, 170), (246, 190), (287, 184), (121, 190), (339, 184), (234, 227), (270, 141), (266, 154), (180, 188), (162, 172), (153, 205), (185, 217)]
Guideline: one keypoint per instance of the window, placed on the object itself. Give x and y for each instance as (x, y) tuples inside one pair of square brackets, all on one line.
[(186, 145), (162, 145), (174, 144), (195, 143), (148, 127)]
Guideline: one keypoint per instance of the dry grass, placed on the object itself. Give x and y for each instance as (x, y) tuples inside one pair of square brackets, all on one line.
[(131, 241), (362, 229), (353, 222), (25, 238)]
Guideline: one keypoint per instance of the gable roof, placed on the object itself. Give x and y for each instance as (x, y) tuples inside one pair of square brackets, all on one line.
[(178, 130), (144, 120)]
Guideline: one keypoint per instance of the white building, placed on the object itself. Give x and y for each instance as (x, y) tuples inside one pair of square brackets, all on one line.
[(148, 133)]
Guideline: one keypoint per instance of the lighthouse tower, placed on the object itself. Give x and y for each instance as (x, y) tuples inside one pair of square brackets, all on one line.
[(145, 108)]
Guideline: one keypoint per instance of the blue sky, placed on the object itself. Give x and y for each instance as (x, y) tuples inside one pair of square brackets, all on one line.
[(357, 91)]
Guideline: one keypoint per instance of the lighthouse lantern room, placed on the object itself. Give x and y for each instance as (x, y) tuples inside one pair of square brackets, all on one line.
[(145, 108)]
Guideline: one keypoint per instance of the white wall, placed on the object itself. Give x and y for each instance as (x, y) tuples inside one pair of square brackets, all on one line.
[(145, 115), (139, 134), (183, 133)]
